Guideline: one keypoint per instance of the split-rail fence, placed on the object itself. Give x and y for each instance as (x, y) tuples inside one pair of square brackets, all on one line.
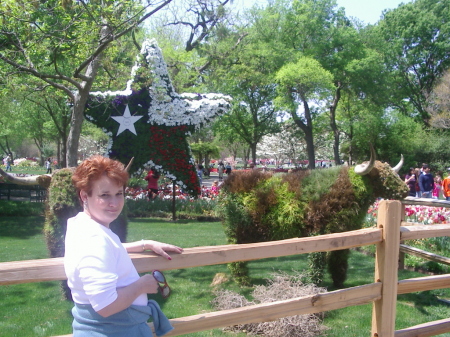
[(390, 231)]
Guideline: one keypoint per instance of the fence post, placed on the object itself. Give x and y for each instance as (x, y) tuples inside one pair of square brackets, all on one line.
[(401, 258), (386, 268)]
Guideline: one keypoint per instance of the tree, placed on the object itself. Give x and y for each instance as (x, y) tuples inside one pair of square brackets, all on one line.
[(287, 144), (415, 41), (320, 31), (438, 105), (69, 45), (247, 74), (50, 110), (299, 84), (204, 151)]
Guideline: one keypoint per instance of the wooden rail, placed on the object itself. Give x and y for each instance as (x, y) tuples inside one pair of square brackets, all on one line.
[(53, 269), (382, 293), (424, 254)]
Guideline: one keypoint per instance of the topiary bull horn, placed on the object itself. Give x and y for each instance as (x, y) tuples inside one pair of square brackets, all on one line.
[(397, 167), (366, 167)]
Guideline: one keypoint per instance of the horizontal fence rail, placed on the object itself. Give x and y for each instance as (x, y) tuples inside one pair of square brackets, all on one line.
[(265, 312), (427, 329), (426, 202), (53, 269)]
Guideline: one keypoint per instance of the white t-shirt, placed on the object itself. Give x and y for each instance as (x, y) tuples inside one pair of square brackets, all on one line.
[(96, 263)]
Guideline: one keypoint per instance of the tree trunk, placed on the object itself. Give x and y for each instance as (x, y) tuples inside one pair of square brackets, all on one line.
[(307, 129), (253, 149), (309, 139), (73, 139), (79, 103), (333, 125), (58, 153)]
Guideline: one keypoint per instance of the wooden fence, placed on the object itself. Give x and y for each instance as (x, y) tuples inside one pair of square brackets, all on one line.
[(28, 192), (391, 229)]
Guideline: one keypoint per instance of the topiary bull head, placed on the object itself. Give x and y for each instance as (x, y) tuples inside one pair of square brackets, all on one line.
[(262, 206)]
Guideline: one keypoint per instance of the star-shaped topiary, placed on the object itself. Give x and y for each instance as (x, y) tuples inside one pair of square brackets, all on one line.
[(150, 121)]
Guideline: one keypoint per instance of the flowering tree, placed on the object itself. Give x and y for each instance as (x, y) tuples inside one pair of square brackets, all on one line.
[(150, 121), (286, 144)]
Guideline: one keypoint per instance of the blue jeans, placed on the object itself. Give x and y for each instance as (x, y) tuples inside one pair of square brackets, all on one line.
[(447, 198), (427, 194)]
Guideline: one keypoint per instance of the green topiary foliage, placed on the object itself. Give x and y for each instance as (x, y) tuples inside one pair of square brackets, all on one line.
[(239, 270), (261, 207), (337, 262), (317, 264), (62, 204)]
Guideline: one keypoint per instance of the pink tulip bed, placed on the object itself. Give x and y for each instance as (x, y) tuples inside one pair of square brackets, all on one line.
[(424, 215)]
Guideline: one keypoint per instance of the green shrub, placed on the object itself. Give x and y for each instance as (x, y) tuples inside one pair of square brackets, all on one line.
[(27, 163), (21, 208), (136, 182)]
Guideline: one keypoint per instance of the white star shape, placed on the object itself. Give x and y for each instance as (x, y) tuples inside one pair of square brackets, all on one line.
[(126, 121)]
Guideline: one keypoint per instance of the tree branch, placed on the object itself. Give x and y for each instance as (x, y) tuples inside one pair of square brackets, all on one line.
[(106, 40), (45, 77)]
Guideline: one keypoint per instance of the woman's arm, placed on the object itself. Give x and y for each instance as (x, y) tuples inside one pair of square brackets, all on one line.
[(159, 248), (126, 295)]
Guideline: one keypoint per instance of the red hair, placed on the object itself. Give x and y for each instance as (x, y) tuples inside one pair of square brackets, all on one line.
[(95, 167)]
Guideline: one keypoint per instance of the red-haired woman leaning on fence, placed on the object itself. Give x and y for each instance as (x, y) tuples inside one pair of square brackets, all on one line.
[(110, 297)]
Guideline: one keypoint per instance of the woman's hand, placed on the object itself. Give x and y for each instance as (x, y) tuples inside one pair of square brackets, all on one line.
[(149, 284), (161, 248)]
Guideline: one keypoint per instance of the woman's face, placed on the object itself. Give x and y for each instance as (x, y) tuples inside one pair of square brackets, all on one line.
[(105, 202)]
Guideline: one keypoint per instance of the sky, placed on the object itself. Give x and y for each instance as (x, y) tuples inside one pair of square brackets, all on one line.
[(369, 11)]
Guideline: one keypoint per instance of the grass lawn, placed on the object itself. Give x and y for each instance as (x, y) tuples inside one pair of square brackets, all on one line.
[(37, 309)]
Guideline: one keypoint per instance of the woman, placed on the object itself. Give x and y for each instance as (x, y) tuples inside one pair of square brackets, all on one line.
[(110, 297), (410, 180)]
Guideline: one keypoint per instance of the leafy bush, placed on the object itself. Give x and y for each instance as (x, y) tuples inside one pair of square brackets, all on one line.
[(25, 163), (136, 182), (21, 208)]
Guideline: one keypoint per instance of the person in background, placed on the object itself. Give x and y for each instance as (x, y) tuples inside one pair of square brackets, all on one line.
[(8, 164), (228, 169), (48, 166), (215, 188), (426, 182), (220, 170), (410, 180), (418, 172), (437, 185), (152, 184), (200, 173), (110, 296), (446, 186)]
